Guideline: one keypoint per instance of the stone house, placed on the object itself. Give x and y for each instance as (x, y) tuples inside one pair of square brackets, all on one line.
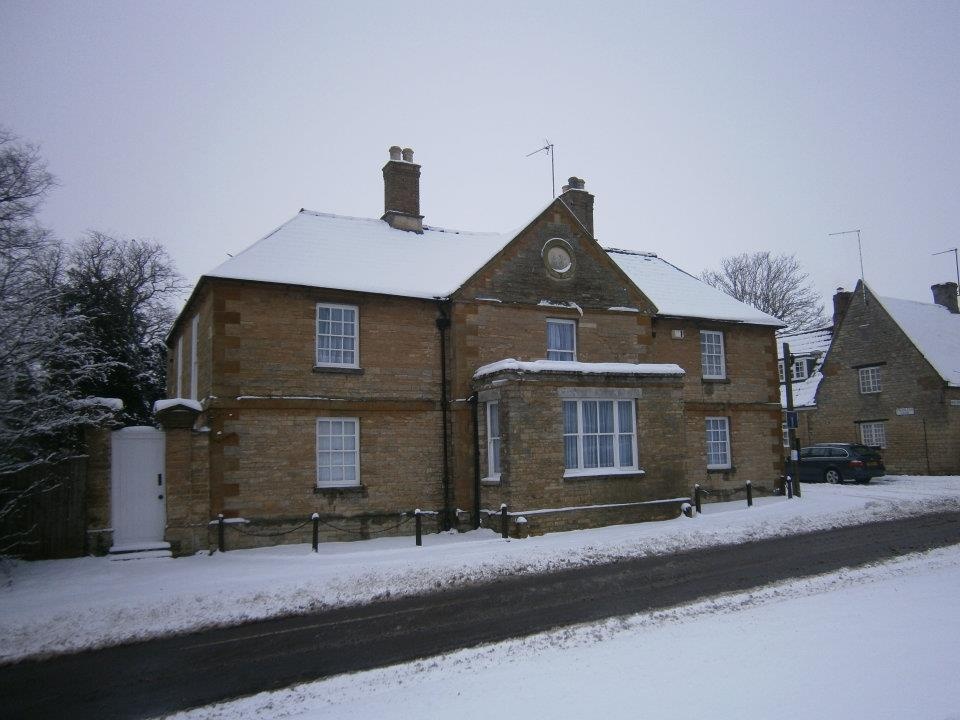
[(891, 379), (364, 368)]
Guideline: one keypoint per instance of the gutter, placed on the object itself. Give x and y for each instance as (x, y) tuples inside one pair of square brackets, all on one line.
[(443, 324), (475, 403)]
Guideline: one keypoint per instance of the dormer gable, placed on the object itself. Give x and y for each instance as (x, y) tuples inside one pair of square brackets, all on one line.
[(555, 260)]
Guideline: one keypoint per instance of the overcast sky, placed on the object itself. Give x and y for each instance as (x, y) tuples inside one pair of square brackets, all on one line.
[(704, 130)]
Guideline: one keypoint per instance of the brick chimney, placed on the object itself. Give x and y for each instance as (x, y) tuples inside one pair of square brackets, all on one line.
[(841, 301), (579, 201), (401, 191), (946, 294)]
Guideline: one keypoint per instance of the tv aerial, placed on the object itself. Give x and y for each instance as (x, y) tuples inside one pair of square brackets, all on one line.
[(956, 262), (548, 149), (863, 282)]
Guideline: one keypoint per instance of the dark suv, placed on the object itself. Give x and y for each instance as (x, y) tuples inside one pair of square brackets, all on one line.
[(836, 462)]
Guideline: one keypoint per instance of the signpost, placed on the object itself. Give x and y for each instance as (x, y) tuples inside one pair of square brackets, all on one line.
[(793, 465)]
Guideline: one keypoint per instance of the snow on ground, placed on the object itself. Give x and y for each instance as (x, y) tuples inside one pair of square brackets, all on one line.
[(67, 605), (876, 642)]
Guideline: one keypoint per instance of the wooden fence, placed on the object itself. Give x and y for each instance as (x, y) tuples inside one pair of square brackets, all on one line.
[(49, 519)]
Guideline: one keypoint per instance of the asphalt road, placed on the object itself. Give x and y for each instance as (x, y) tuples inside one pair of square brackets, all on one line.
[(162, 676)]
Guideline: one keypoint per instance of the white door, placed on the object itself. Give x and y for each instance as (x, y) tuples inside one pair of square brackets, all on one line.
[(138, 487)]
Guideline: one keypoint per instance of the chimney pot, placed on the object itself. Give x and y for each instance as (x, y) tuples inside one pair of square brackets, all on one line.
[(407, 155), (945, 294), (841, 301), (579, 201), (395, 152)]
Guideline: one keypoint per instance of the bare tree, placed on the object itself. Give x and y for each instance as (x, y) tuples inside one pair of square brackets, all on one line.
[(774, 284), (126, 288), (24, 180)]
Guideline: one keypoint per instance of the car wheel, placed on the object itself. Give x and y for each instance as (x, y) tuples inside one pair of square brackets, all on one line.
[(832, 476)]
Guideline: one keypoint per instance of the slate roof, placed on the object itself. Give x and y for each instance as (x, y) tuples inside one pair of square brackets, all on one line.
[(347, 253), (676, 293)]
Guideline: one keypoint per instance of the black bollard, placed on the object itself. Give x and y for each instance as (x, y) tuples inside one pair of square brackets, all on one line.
[(220, 541), (503, 521), (419, 523), (789, 485), (696, 498), (316, 532), (749, 494)]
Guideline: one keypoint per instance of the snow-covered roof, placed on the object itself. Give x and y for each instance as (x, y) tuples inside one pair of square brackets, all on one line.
[(161, 405), (366, 255), (933, 330), (805, 343), (678, 294), (570, 366)]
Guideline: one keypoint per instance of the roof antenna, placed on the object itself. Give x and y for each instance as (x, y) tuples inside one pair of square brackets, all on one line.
[(548, 147), (863, 283), (956, 262)]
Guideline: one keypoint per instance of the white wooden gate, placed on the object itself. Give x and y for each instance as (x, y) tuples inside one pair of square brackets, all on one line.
[(137, 489)]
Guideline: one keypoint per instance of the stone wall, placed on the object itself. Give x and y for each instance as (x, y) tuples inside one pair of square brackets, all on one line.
[(533, 477), (187, 489), (748, 398), (200, 306), (264, 344), (98, 447)]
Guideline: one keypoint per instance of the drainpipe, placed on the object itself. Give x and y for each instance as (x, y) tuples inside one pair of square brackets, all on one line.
[(475, 402), (443, 324)]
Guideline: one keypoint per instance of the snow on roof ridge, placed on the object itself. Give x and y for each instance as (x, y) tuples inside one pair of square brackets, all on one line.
[(887, 298), (433, 228), (624, 251)]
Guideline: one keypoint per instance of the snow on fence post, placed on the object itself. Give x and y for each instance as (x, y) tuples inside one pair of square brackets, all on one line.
[(419, 523), (316, 532), (696, 498), (503, 520), (749, 494), (220, 540)]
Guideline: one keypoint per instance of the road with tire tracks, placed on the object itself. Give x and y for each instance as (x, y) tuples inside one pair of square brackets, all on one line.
[(175, 673)]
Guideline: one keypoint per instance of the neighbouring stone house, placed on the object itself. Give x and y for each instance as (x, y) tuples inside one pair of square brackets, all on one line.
[(891, 378), (808, 350), (364, 368)]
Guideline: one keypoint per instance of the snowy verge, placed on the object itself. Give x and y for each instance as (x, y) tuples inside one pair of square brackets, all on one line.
[(62, 606), (752, 655)]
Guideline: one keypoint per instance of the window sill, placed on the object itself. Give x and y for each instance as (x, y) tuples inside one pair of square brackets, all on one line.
[(715, 381), (340, 490), (342, 370), (720, 470), (492, 480), (601, 473)]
